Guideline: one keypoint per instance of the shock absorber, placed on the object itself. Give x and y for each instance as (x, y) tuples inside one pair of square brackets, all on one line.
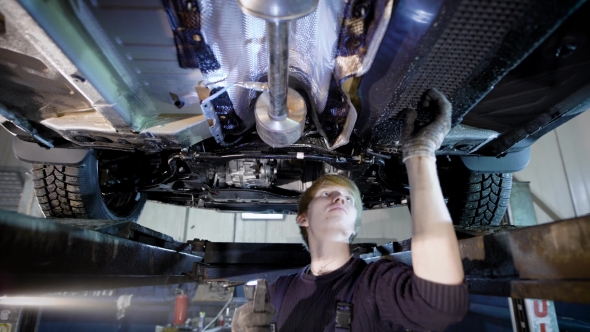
[(280, 112)]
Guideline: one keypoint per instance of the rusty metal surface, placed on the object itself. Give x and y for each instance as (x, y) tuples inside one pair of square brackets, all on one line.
[(488, 256), (488, 286), (557, 290), (550, 261), (559, 250)]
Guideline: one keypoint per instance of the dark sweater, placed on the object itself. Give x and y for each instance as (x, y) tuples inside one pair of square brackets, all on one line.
[(388, 297)]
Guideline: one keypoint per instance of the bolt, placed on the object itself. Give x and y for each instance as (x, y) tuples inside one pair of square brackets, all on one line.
[(78, 78), (197, 38), (565, 50), (179, 103), (181, 169)]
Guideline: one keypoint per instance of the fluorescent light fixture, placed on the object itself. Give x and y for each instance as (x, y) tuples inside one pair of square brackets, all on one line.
[(262, 216)]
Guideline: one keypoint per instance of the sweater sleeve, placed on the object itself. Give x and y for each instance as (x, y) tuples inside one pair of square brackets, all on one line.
[(403, 298)]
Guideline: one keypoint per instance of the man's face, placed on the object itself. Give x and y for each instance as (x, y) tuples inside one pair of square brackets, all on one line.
[(331, 214)]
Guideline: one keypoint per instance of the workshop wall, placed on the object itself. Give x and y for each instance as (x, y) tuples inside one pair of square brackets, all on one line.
[(573, 140), (8, 162), (379, 226), (559, 172)]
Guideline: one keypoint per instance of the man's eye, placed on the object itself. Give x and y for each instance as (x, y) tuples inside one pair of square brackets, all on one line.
[(349, 199), (324, 193)]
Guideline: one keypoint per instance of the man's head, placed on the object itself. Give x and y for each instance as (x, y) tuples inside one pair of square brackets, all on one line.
[(332, 204)]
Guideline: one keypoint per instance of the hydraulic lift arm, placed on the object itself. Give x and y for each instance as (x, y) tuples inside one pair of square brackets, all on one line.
[(549, 261)]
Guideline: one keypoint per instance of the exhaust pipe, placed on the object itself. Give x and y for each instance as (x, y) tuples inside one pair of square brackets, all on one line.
[(280, 112)]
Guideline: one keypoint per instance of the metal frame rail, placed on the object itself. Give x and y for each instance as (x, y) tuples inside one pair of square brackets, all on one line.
[(550, 261)]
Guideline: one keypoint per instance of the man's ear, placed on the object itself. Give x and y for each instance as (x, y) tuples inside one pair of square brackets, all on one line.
[(302, 220)]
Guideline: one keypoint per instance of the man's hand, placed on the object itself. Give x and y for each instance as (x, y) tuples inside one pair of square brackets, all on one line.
[(435, 250), (257, 314), (427, 140), (247, 320)]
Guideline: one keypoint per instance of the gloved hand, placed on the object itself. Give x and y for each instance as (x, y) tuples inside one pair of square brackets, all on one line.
[(427, 140), (247, 320)]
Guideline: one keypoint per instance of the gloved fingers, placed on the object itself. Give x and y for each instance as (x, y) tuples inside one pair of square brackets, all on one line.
[(235, 323), (258, 329), (249, 307), (236, 328), (438, 129), (251, 318), (435, 96), (443, 106), (408, 129), (419, 146)]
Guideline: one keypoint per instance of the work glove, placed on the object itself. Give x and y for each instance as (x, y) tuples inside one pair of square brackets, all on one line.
[(247, 320), (257, 314), (425, 141)]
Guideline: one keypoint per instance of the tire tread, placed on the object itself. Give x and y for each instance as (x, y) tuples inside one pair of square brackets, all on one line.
[(485, 201), (58, 190)]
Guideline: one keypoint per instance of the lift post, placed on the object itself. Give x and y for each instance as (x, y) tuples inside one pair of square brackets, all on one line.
[(549, 261)]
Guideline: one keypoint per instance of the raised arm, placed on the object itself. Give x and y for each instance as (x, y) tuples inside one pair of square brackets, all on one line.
[(435, 251)]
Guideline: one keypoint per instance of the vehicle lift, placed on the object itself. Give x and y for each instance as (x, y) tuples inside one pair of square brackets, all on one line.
[(548, 261)]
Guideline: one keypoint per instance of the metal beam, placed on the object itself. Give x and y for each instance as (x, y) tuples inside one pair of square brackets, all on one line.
[(549, 261), (40, 255)]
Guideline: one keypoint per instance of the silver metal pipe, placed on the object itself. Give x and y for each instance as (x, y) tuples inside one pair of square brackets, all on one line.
[(278, 71)]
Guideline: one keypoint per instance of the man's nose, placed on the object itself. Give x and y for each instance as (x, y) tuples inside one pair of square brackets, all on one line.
[(338, 197)]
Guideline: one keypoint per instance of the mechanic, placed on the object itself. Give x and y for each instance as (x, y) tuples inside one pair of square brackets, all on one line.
[(384, 295)]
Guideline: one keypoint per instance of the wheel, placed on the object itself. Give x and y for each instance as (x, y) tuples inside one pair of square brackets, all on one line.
[(478, 199), (74, 192)]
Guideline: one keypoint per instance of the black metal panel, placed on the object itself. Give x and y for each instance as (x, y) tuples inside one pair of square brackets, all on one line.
[(551, 118), (192, 51), (468, 48), (38, 252), (30, 283), (243, 274), (554, 71), (334, 116), (132, 231), (41, 255), (288, 254)]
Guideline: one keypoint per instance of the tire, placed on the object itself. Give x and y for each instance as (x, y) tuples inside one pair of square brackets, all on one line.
[(74, 192), (479, 199)]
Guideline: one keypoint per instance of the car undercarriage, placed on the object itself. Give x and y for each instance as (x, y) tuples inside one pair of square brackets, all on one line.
[(180, 101)]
